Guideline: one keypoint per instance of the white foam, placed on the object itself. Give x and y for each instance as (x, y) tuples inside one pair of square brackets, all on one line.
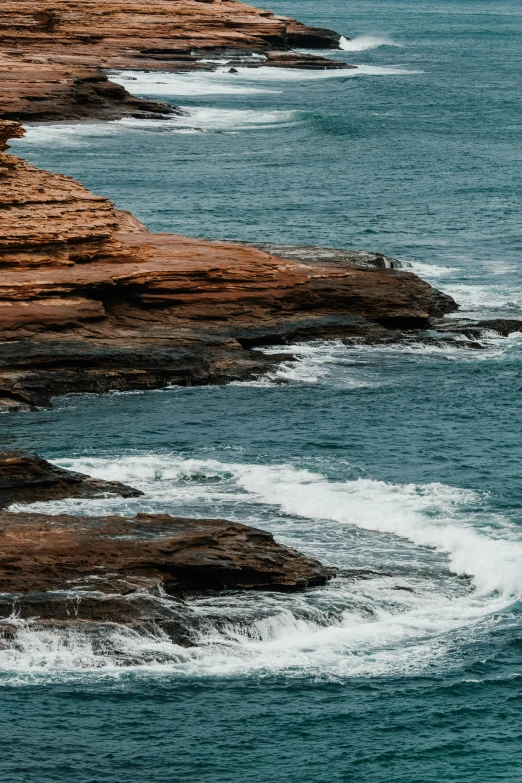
[(363, 42), (428, 515), (317, 362), (431, 515), (245, 81), (211, 119), (432, 271), (65, 134), (196, 120), (473, 297), (343, 366), (192, 83)]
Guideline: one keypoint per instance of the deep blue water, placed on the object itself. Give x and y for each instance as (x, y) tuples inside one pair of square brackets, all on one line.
[(402, 459)]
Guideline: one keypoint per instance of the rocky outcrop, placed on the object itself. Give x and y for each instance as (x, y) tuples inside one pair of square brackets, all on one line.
[(91, 301), (116, 555), (27, 478), (55, 52), (70, 569), (46, 91)]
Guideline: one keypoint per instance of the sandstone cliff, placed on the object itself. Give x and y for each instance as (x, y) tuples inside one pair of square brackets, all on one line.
[(53, 52), (91, 301)]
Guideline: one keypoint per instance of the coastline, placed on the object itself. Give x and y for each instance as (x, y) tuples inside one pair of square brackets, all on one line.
[(90, 301), (113, 306), (54, 56)]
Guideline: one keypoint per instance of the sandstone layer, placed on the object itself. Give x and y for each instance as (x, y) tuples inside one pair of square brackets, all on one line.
[(91, 301), (27, 478), (54, 52)]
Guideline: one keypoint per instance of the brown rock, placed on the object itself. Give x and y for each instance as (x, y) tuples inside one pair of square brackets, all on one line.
[(91, 301), (53, 51), (32, 90), (115, 555), (27, 478)]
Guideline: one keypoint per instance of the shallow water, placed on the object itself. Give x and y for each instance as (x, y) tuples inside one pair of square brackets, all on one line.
[(404, 460)]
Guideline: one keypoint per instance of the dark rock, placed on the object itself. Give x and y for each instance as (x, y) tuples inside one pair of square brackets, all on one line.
[(42, 554), (503, 326), (27, 478)]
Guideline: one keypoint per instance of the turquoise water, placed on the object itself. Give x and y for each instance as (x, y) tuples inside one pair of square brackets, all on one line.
[(400, 459)]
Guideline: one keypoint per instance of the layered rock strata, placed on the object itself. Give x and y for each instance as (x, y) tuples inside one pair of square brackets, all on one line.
[(55, 52), (91, 301)]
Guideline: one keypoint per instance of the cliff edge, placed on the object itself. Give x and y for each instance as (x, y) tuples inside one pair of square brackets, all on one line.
[(54, 53), (91, 301)]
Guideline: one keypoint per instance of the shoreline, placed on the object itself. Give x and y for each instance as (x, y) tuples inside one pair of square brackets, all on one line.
[(91, 301), (55, 57)]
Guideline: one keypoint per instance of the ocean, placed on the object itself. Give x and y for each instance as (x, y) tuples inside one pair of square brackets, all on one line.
[(399, 462)]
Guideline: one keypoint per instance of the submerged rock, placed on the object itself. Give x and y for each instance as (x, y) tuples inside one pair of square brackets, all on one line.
[(27, 478)]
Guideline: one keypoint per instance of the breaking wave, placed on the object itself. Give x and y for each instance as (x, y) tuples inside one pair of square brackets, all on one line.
[(193, 83), (363, 42), (431, 515), (196, 120), (440, 568), (245, 81)]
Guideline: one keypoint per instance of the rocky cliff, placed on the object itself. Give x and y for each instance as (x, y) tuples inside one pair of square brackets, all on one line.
[(91, 301), (54, 52)]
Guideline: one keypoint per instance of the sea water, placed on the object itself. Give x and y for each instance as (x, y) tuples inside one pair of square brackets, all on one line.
[(400, 464)]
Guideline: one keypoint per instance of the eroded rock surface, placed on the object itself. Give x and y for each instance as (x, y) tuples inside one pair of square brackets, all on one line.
[(54, 52), (27, 478), (91, 301), (69, 570), (79, 568)]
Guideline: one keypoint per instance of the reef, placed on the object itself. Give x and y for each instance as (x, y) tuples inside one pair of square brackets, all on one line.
[(90, 301), (55, 53)]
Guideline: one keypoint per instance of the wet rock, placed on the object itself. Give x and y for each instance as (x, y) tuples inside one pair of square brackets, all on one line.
[(503, 326), (79, 556), (27, 478)]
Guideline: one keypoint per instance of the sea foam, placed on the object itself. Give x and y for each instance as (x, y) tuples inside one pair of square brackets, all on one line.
[(363, 42), (429, 515)]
